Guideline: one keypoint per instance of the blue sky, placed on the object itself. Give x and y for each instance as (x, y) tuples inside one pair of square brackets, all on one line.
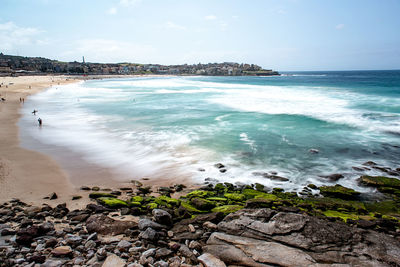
[(282, 35)]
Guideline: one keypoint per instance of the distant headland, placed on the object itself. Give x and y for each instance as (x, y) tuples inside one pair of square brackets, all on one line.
[(14, 65)]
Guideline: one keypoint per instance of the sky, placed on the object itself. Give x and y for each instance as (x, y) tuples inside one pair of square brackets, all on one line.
[(285, 35)]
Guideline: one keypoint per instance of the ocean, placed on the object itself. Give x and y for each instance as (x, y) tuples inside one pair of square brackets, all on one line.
[(257, 127)]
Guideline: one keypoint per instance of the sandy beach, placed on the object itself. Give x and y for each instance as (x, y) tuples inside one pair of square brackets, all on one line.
[(25, 174), (30, 175)]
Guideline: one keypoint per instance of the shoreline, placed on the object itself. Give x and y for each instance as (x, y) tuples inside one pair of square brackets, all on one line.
[(30, 173)]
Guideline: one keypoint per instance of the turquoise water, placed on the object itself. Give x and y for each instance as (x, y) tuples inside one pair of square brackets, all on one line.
[(155, 126)]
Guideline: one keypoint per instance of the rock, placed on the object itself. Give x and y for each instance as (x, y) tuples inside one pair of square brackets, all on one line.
[(219, 165), (7, 231), (53, 196), (114, 261), (209, 260), (50, 243), (37, 259), (162, 217), (163, 253), (62, 251), (149, 234), (272, 176), (124, 245), (195, 245), (338, 191), (90, 244), (185, 251), (85, 188), (202, 204), (301, 234), (25, 236), (161, 263), (52, 263), (102, 224), (333, 177), (244, 251), (73, 240), (191, 228), (380, 181), (210, 225), (97, 208), (369, 163), (146, 223)]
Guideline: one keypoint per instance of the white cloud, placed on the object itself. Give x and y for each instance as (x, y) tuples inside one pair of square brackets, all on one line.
[(339, 26), (12, 35), (171, 25), (112, 11), (210, 17), (127, 3), (105, 50)]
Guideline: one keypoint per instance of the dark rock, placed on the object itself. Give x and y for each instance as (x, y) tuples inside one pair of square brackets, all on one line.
[(51, 243), (80, 218), (97, 208), (162, 217), (223, 170), (366, 224), (8, 231), (37, 259), (76, 197), (369, 163), (219, 165), (333, 177), (86, 188), (53, 196), (102, 224), (25, 236)]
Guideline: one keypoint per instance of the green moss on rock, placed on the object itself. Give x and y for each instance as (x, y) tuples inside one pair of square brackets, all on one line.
[(189, 208), (384, 207), (226, 209), (152, 206), (202, 204), (200, 193), (112, 202), (338, 191), (99, 194), (235, 197), (137, 199), (217, 199), (167, 201), (342, 215), (380, 181)]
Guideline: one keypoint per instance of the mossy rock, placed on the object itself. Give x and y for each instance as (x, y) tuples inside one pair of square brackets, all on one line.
[(338, 191), (257, 203), (167, 201), (230, 187), (259, 187), (151, 206), (220, 188), (135, 204), (226, 209), (384, 207), (218, 199), (235, 197), (99, 194), (389, 190), (189, 208), (266, 196), (327, 203), (137, 199), (342, 215), (112, 202), (202, 204), (312, 186), (251, 193), (380, 181), (200, 194)]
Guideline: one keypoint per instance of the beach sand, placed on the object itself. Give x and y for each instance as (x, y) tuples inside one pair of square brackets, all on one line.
[(29, 175)]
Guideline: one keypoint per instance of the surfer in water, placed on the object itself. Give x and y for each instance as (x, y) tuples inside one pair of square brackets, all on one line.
[(34, 112), (40, 122)]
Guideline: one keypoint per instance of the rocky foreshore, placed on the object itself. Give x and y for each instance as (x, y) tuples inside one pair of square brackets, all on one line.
[(217, 225)]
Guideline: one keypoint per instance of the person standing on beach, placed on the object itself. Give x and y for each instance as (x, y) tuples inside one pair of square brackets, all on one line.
[(40, 122)]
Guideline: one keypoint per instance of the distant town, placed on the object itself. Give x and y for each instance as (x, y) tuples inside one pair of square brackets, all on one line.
[(19, 65)]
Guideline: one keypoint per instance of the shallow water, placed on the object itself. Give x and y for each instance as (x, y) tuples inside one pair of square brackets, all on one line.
[(172, 126)]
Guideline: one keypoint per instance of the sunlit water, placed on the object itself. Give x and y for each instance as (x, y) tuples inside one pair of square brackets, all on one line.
[(150, 126)]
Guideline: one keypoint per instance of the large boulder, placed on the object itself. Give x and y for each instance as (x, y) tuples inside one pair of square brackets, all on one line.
[(264, 237), (105, 225)]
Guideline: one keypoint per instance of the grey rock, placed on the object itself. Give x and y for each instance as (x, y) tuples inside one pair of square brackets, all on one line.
[(124, 245), (143, 224), (162, 253), (161, 263), (149, 234), (209, 260), (52, 263), (243, 251), (322, 240), (90, 244)]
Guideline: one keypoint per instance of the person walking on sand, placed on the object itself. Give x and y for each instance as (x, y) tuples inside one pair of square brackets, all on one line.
[(40, 122)]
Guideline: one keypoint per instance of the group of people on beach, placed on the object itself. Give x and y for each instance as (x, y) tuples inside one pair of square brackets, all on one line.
[(39, 120)]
